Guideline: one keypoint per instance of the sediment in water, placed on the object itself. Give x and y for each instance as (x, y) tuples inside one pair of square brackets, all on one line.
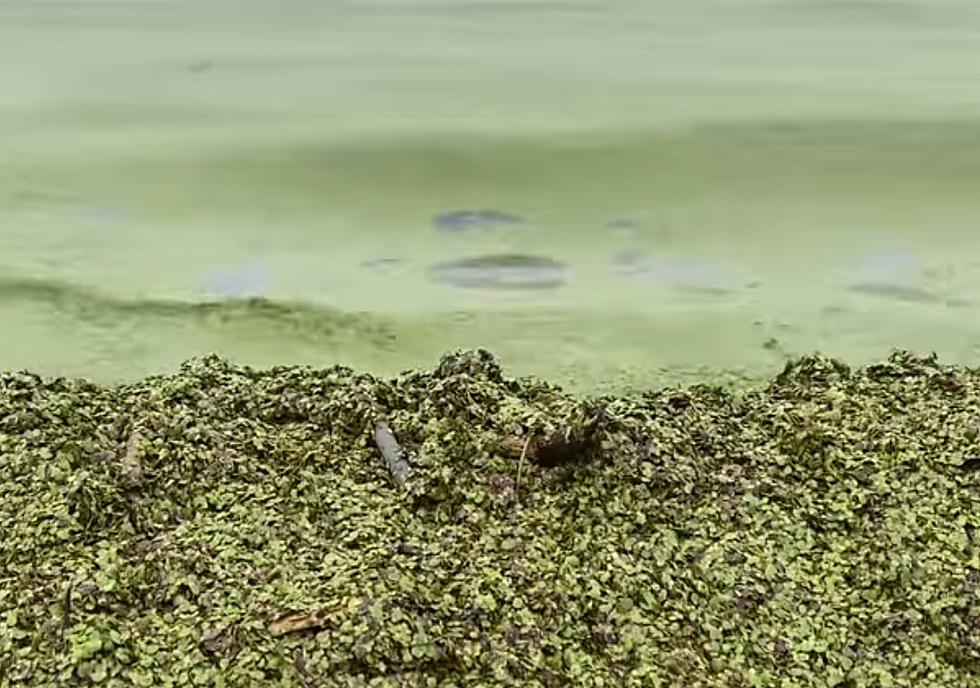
[(230, 526)]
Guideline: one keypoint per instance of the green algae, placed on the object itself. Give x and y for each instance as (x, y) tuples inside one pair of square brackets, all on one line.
[(283, 147), (232, 526)]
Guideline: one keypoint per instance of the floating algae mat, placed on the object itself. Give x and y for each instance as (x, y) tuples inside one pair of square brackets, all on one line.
[(228, 526)]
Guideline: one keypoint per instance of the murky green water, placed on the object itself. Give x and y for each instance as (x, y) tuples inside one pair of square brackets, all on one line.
[(617, 194)]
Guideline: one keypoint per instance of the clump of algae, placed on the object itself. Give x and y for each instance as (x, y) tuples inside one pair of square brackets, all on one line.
[(225, 526)]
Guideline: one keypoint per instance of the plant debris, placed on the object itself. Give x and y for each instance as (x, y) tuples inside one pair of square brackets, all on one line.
[(224, 526)]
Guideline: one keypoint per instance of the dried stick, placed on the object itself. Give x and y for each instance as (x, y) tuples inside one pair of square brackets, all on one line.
[(520, 466)]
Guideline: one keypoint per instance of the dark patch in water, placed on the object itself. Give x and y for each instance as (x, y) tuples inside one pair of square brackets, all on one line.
[(202, 66), (502, 271), (291, 319), (627, 226), (468, 220), (897, 292), (704, 290), (624, 223)]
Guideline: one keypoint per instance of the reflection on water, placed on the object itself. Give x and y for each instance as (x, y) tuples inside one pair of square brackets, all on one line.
[(901, 276), (502, 271), (684, 273), (251, 279), (103, 216), (890, 274), (887, 265)]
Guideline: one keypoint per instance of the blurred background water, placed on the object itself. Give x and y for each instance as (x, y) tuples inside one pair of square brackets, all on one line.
[(612, 194)]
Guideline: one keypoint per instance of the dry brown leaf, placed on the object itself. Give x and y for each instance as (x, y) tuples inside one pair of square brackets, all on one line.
[(298, 622)]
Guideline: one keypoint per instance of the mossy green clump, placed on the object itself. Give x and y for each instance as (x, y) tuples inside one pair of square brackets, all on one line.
[(231, 527)]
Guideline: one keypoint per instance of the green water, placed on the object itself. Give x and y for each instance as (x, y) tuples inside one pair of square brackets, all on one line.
[(724, 183)]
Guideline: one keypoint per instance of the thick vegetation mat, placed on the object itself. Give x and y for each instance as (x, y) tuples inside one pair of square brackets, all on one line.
[(225, 526)]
